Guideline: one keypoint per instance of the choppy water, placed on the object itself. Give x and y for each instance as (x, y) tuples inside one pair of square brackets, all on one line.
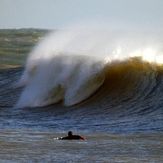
[(122, 120)]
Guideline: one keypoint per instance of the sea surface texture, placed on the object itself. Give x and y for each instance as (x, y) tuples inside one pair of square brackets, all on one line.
[(106, 85)]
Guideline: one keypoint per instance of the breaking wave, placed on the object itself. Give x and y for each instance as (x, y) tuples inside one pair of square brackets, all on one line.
[(73, 64)]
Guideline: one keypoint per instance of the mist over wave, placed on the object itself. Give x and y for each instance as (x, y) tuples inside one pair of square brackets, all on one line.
[(72, 64)]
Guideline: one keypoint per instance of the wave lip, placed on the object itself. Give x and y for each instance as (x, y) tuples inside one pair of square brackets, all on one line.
[(71, 65)]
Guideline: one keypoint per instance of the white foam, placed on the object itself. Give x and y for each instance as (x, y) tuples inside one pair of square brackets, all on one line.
[(69, 65)]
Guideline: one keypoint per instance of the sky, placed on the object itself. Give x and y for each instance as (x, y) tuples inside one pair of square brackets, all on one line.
[(52, 14)]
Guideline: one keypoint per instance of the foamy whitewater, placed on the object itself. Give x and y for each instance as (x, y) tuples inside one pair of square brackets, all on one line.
[(70, 65)]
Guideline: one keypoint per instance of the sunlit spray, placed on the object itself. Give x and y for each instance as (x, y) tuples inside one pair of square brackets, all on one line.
[(69, 65)]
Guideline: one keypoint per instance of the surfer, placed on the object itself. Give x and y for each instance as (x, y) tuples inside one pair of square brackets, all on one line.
[(70, 136)]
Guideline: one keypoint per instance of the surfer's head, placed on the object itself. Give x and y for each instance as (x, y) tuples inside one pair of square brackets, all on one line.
[(70, 133)]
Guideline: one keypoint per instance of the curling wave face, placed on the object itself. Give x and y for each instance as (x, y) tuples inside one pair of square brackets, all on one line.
[(72, 65)]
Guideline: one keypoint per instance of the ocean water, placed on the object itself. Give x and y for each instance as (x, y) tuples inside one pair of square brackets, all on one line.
[(105, 85)]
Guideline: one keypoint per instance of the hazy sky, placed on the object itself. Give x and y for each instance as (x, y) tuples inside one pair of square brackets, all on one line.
[(58, 13)]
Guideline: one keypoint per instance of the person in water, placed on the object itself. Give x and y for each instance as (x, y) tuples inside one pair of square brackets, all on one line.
[(70, 136)]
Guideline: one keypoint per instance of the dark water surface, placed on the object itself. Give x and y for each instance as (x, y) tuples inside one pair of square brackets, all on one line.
[(121, 122)]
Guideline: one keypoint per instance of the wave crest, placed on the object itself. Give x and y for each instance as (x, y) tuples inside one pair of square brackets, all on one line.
[(71, 65)]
